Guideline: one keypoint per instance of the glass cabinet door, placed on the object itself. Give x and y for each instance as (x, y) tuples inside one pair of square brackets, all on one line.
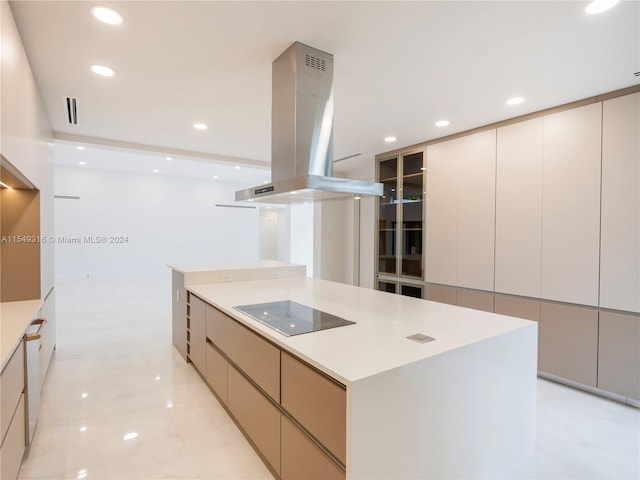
[(412, 214), (387, 217)]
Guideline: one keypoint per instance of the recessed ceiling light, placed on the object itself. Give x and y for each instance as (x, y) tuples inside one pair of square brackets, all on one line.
[(390, 139), (515, 101), (107, 15), (199, 126), (237, 167), (294, 193), (169, 159), (82, 163), (599, 6), (216, 177), (102, 70), (80, 147), (265, 182), (83, 429), (155, 170), (442, 123), (130, 436)]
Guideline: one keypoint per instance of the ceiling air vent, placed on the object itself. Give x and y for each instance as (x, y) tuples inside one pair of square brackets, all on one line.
[(313, 62), (71, 106)]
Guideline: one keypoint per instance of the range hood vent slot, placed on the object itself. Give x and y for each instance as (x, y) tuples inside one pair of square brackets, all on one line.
[(71, 105), (314, 62)]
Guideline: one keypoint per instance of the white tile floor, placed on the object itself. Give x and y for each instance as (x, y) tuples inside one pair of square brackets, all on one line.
[(115, 373)]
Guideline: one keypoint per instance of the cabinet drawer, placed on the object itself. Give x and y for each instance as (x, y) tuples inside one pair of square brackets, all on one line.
[(619, 354), (198, 324), (301, 458), (256, 357), (14, 444), (318, 403), (259, 418), (11, 387), (517, 307), (568, 342), (218, 328), (475, 299), (217, 372)]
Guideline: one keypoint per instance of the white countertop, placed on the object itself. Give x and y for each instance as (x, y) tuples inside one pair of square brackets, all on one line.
[(213, 266), (15, 317), (377, 343)]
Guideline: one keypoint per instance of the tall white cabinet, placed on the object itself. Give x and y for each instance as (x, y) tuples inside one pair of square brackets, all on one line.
[(519, 208), (539, 218), (442, 213), (476, 210), (571, 205), (620, 235), (460, 219)]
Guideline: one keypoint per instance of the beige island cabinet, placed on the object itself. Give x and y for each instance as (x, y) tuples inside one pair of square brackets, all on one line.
[(363, 401)]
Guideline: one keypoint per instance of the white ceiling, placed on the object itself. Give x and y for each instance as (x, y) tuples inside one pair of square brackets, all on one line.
[(68, 154), (399, 66)]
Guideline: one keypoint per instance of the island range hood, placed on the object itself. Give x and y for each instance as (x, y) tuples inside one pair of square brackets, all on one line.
[(302, 134)]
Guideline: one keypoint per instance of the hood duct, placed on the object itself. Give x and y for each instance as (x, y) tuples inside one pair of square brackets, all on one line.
[(302, 134)]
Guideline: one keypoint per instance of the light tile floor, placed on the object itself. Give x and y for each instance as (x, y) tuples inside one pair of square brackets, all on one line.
[(116, 373)]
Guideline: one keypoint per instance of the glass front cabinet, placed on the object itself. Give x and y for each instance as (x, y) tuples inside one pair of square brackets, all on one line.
[(400, 217)]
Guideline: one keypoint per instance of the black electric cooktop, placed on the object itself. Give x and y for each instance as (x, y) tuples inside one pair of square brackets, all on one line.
[(291, 318)]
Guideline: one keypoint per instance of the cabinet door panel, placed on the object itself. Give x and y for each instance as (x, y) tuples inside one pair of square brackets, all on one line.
[(441, 293), (14, 444), (475, 299), (442, 213), (48, 333), (198, 334), (476, 210), (571, 205), (257, 416), (619, 354), (519, 208), (568, 342), (11, 387), (517, 307), (259, 359), (179, 313), (218, 328), (620, 255), (217, 372), (319, 404), (301, 458)]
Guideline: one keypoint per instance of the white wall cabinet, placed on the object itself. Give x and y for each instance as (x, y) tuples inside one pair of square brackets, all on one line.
[(519, 208), (442, 213), (476, 210), (571, 205), (620, 231)]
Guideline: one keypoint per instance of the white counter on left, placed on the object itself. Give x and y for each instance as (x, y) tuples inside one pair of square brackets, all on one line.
[(15, 317)]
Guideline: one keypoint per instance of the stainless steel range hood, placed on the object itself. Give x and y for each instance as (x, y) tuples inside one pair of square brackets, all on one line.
[(302, 134)]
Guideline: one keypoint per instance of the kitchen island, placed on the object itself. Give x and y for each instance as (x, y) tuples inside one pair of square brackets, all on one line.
[(363, 400)]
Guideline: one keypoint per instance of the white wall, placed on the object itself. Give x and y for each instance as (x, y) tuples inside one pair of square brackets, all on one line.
[(164, 219), (359, 226), (25, 135), (302, 236)]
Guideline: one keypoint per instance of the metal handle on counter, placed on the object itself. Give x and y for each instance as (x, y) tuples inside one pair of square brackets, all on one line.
[(36, 335)]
